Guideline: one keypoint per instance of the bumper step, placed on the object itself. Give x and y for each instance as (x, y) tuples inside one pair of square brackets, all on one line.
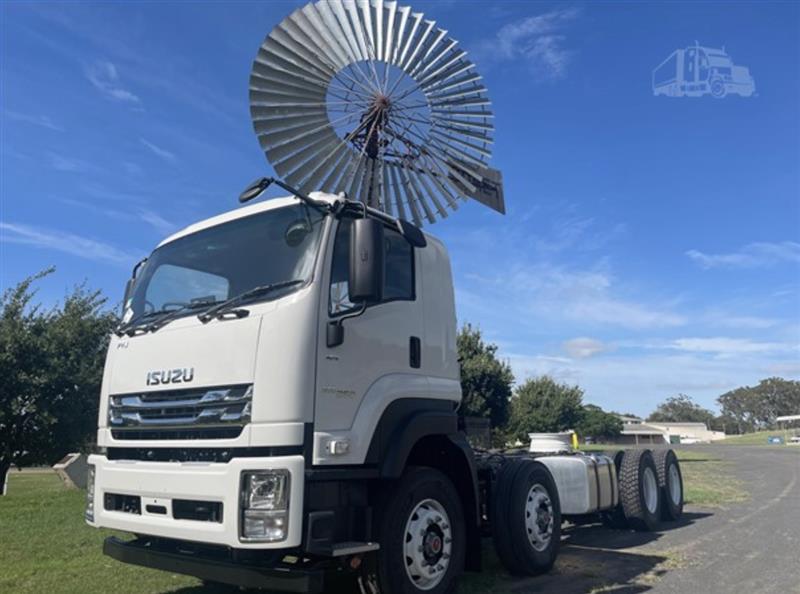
[(342, 549), (147, 554)]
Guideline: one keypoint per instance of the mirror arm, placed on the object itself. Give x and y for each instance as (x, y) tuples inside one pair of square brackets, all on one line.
[(335, 331), (265, 182)]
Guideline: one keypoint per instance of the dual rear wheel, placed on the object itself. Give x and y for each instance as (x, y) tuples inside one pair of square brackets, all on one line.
[(650, 489)]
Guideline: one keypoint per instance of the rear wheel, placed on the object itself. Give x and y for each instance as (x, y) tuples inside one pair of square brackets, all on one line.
[(526, 517), (615, 517), (670, 481), (422, 535), (638, 490)]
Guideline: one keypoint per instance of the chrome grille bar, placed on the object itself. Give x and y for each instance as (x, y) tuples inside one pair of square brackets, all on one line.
[(193, 408)]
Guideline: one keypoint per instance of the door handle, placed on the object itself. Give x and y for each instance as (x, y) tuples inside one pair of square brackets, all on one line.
[(414, 352)]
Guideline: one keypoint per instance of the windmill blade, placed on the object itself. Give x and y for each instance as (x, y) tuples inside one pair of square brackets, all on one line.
[(369, 98)]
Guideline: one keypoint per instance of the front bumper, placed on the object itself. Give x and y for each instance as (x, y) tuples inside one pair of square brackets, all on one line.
[(158, 484), (149, 554)]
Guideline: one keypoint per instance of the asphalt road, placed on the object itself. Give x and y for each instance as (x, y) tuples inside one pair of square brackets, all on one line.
[(746, 547)]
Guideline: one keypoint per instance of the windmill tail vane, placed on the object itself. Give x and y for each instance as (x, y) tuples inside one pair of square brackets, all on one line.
[(368, 98)]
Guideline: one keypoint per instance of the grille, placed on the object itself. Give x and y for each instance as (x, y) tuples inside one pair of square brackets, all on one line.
[(181, 414)]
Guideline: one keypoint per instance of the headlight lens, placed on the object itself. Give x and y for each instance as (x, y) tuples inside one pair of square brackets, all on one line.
[(265, 505), (90, 494)]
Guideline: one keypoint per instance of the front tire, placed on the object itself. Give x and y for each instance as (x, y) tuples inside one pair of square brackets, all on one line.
[(718, 88), (422, 535), (526, 518)]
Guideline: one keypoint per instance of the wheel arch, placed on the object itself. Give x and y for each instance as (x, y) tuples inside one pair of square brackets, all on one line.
[(424, 432), (452, 455)]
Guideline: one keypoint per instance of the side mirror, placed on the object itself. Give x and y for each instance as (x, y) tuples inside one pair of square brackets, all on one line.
[(128, 290), (129, 284), (367, 261)]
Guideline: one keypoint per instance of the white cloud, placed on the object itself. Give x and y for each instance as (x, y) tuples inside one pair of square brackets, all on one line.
[(69, 164), (36, 120), (743, 322), (157, 150), (585, 296), (583, 347), (537, 40), (156, 221), (104, 77), (64, 242), (725, 346), (752, 255), (565, 235), (150, 217)]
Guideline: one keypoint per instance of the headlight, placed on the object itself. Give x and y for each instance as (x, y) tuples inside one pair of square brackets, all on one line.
[(90, 494), (265, 505)]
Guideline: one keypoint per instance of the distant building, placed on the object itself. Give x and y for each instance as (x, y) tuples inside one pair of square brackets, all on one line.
[(689, 432), (635, 431)]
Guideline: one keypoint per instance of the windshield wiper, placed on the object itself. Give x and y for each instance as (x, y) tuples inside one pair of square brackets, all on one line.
[(227, 306), (131, 327), (159, 323), (162, 318)]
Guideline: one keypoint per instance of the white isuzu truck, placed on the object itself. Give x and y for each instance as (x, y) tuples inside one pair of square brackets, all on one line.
[(281, 403)]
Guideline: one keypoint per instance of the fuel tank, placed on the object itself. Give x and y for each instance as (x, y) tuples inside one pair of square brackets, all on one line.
[(586, 483)]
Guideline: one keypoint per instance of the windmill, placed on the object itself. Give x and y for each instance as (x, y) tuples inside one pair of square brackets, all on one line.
[(369, 98)]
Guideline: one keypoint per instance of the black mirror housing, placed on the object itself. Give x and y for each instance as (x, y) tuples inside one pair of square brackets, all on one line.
[(367, 261), (130, 283), (127, 296)]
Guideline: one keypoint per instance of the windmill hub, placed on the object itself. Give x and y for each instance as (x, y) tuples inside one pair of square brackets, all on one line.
[(382, 102)]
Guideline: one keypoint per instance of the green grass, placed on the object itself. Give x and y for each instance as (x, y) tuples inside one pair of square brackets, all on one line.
[(45, 546), (709, 482), (757, 438)]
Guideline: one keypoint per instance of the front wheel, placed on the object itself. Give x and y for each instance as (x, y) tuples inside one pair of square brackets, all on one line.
[(718, 89), (422, 535)]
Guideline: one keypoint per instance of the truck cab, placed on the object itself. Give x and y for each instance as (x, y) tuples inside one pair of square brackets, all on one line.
[(251, 403)]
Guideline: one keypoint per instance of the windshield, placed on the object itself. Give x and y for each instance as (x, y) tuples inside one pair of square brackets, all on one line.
[(223, 261)]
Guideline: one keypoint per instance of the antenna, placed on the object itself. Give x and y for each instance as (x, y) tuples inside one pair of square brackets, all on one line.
[(368, 98)]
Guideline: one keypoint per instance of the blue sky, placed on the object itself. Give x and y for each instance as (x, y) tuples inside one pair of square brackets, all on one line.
[(651, 245)]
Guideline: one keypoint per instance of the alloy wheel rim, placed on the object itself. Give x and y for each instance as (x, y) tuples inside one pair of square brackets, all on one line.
[(539, 517), (650, 490), (428, 544)]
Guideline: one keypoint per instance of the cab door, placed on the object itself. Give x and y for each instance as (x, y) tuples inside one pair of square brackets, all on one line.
[(381, 351)]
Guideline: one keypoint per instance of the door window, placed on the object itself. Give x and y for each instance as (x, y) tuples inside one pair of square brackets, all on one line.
[(399, 279)]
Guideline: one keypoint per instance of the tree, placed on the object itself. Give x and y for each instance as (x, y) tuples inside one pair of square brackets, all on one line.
[(757, 407), (681, 409), (485, 380), (542, 405), (597, 423), (51, 366)]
